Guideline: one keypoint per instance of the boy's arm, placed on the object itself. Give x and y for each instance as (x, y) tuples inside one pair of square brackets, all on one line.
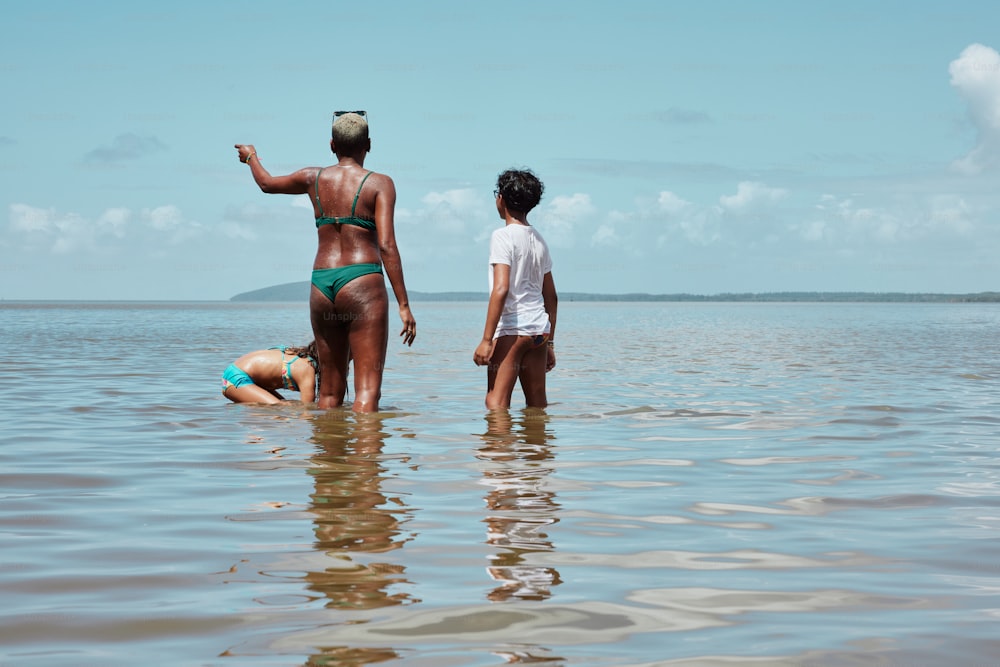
[(551, 302), (501, 286)]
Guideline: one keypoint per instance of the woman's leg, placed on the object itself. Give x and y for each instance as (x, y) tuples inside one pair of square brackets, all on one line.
[(330, 332), (364, 304)]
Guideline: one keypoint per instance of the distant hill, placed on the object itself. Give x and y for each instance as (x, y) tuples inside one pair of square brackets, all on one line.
[(286, 292), (299, 291)]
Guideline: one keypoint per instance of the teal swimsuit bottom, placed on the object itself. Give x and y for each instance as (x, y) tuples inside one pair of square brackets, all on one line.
[(330, 281), (234, 376)]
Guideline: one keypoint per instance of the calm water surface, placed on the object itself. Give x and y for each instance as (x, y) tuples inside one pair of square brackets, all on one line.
[(713, 484)]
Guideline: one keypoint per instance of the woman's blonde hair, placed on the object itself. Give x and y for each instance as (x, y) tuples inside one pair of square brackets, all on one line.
[(350, 133)]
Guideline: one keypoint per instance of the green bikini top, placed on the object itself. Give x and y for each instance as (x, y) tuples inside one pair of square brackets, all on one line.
[(349, 220)]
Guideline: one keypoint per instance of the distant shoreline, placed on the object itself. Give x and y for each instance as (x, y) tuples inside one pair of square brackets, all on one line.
[(566, 297), (299, 292)]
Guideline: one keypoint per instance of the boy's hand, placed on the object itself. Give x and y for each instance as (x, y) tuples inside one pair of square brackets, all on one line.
[(483, 353)]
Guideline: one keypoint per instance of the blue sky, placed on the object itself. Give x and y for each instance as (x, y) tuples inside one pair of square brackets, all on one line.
[(685, 147)]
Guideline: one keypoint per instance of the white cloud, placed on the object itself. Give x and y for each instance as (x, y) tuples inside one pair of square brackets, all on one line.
[(953, 213), (460, 199), (445, 227), (843, 221), (659, 222), (72, 232), (560, 220), (605, 236), (975, 74), (115, 220), (24, 218), (812, 231), (695, 224), (66, 232), (753, 218), (750, 195), (573, 206), (701, 227), (671, 204), (163, 217), (169, 219), (449, 211), (69, 243)]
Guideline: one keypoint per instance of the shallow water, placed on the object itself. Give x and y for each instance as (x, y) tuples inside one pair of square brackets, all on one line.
[(713, 484)]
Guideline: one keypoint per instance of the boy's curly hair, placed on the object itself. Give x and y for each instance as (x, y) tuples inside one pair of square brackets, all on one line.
[(520, 188)]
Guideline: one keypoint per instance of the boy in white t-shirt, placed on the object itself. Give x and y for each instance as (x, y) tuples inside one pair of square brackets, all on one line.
[(521, 317)]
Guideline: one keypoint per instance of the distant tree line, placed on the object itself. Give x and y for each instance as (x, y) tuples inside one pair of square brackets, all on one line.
[(784, 297)]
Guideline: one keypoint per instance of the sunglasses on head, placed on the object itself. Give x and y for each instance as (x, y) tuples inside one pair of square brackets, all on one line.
[(338, 114)]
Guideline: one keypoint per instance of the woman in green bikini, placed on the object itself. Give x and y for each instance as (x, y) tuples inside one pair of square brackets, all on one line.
[(349, 305)]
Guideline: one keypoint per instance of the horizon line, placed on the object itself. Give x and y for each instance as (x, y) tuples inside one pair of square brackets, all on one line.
[(597, 296)]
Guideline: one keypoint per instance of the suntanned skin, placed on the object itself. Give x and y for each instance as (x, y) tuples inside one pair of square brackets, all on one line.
[(265, 368), (512, 358), (358, 323)]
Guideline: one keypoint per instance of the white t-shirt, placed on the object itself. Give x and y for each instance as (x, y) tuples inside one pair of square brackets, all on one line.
[(523, 249)]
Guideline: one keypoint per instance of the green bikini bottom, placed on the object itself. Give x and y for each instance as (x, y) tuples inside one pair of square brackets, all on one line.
[(331, 281)]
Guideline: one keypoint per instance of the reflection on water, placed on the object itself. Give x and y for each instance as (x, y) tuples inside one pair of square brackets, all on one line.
[(353, 517), (520, 505)]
